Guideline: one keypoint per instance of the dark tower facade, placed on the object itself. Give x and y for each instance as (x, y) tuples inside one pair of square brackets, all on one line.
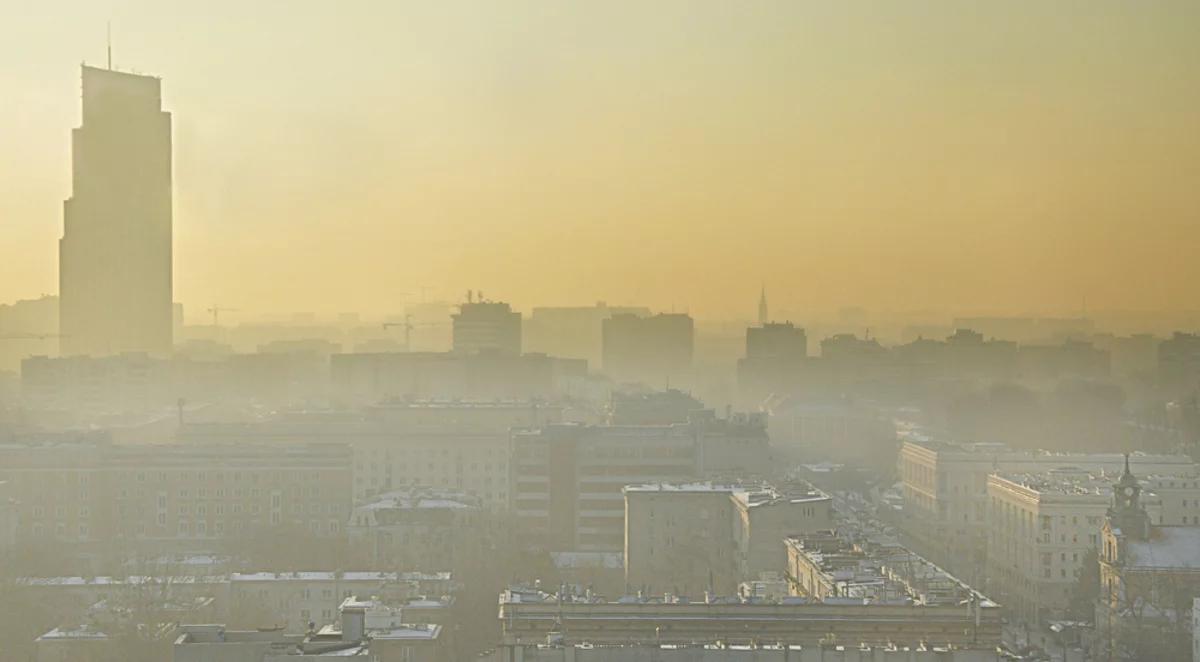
[(115, 256), (1127, 513)]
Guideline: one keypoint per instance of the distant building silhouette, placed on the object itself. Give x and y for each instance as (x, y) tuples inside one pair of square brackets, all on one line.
[(572, 331), (487, 326), (775, 356), (655, 350), (763, 313), (115, 253)]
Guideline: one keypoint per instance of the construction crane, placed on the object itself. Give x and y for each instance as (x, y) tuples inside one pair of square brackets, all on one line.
[(408, 327), (217, 310)]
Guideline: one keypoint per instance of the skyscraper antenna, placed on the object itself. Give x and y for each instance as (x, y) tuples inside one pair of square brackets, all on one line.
[(108, 33)]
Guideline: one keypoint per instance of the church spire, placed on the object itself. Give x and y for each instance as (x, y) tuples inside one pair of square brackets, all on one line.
[(763, 317), (1127, 512)]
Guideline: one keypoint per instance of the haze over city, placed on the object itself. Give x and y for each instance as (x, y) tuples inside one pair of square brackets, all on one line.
[(1016, 157), (599, 331)]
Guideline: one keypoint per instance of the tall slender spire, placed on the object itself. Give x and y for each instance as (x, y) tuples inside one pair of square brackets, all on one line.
[(108, 38), (763, 317)]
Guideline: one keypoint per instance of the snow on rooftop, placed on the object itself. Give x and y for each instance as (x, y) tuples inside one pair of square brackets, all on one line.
[(1168, 547), (680, 487), (408, 631), (81, 633)]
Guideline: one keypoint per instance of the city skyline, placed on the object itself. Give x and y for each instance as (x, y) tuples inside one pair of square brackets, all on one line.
[(539, 153)]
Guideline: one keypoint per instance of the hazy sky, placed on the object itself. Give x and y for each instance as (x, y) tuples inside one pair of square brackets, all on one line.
[(330, 156)]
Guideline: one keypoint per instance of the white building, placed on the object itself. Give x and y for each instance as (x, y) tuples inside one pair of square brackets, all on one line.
[(1041, 527), (420, 528), (945, 489)]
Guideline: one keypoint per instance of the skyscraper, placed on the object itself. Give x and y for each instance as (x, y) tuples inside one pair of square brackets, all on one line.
[(115, 253), (487, 326)]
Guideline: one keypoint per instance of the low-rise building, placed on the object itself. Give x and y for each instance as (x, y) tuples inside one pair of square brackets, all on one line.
[(530, 616), (419, 528), (830, 568), (696, 537), (353, 635), (721, 652), (293, 600), (77, 644), (289, 601)]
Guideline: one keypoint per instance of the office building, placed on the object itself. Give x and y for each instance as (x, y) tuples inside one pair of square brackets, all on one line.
[(572, 332), (651, 408), (460, 445), (776, 354), (361, 379), (567, 479), (1179, 363), (655, 350), (91, 492), (695, 537), (115, 255), (487, 326), (28, 328)]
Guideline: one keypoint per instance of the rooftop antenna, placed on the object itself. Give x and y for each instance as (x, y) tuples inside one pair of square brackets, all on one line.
[(108, 34)]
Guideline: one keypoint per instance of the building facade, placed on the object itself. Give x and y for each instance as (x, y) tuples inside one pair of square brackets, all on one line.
[(531, 615), (692, 538), (96, 493), (115, 256), (945, 490), (1149, 577), (567, 480), (487, 326), (655, 350), (1041, 528)]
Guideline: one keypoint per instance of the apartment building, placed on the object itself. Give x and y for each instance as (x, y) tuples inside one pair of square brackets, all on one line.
[(679, 537), (1040, 530), (457, 445), (420, 528), (945, 490), (691, 538), (90, 492), (567, 479)]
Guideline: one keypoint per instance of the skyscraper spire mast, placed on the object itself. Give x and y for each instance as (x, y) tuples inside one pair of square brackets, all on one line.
[(108, 39), (763, 317)]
